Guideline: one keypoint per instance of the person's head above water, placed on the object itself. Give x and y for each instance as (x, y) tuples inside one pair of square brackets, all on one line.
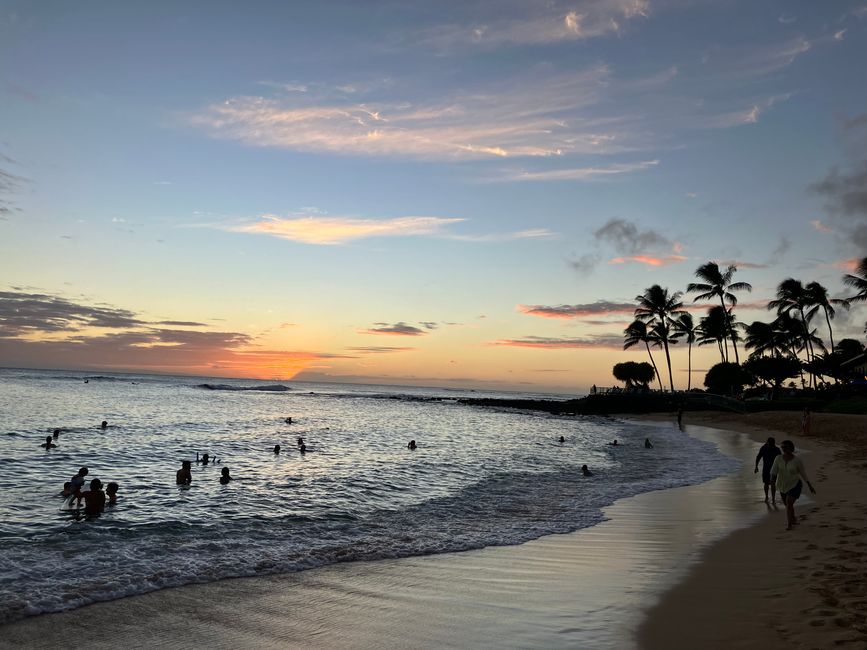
[(96, 484), (83, 471), (112, 488), (48, 440), (562, 439), (104, 424), (276, 450), (56, 432)]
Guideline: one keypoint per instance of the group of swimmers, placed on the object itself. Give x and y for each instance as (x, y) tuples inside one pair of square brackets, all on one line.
[(94, 499)]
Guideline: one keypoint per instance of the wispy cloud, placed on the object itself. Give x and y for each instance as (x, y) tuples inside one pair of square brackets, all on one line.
[(325, 230), (534, 233), (649, 260), (820, 226), (396, 329), (595, 309), (378, 349), (554, 343), (577, 173)]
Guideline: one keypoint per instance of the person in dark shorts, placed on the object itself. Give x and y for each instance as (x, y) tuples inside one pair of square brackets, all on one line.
[(788, 471), (767, 453)]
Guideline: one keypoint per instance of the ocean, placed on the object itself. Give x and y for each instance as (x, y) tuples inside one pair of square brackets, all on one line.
[(480, 477)]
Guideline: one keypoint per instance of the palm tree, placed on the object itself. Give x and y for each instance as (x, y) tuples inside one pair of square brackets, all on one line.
[(718, 284), (793, 297), (685, 328), (655, 305), (817, 296), (636, 333), (713, 328), (858, 281), (764, 337)]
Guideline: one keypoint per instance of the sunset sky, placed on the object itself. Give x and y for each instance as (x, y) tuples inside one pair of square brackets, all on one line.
[(463, 194)]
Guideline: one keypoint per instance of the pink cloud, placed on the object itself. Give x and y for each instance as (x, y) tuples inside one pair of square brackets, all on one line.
[(649, 260), (614, 341), (598, 308)]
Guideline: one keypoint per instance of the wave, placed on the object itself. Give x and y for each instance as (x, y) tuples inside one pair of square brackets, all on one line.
[(267, 388)]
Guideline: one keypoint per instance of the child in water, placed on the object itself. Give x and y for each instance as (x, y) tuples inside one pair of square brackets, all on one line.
[(184, 477), (111, 493), (225, 478)]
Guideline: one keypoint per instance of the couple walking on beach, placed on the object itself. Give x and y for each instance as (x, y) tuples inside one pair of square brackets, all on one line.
[(783, 471)]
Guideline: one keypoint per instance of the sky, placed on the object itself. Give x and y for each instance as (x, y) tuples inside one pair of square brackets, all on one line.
[(465, 194)]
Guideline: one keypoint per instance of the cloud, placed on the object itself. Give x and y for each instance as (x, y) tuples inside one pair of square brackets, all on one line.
[(783, 247), (840, 35), (534, 24), (741, 264), (339, 230), (749, 115), (284, 326), (845, 190), (821, 227), (578, 173), (397, 329), (44, 331), (181, 323), (429, 325), (535, 233), (553, 343), (785, 19), (649, 260), (378, 349), (598, 308), (10, 184), (625, 237), (539, 115)]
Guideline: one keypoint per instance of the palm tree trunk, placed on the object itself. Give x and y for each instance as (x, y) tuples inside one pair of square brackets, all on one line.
[(731, 331), (655, 369), (720, 346), (808, 345), (830, 331), (668, 360), (689, 368)]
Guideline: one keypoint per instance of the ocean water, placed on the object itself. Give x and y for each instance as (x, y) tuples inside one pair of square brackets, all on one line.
[(480, 477)]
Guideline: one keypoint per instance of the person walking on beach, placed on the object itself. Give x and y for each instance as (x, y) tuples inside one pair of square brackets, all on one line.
[(788, 470), (768, 452), (806, 422)]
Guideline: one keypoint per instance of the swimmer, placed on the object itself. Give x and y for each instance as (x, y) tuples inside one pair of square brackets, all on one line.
[(647, 444), (204, 460), (288, 420), (615, 443), (104, 424), (562, 439), (94, 498), (585, 471), (300, 441), (56, 434), (224, 476), (184, 477), (302, 449), (412, 445), (67, 489), (48, 444), (77, 481), (276, 449), (111, 493)]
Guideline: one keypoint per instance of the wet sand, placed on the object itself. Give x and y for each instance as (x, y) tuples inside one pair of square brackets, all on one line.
[(586, 589), (765, 587)]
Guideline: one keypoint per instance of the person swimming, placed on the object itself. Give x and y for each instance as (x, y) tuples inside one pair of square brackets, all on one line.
[(276, 449), (411, 445), (104, 424), (94, 498), (647, 444), (67, 489), (224, 476), (77, 481), (205, 459), (184, 477), (300, 441), (48, 444), (562, 439), (586, 471), (288, 420), (302, 448), (111, 492), (615, 443), (56, 434)]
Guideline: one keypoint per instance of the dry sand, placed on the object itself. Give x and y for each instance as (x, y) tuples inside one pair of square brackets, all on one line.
[(589, 589), (765, 587)]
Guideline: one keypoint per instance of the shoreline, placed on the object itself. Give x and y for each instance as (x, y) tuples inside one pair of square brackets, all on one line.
[(587, 588), (762, 586)]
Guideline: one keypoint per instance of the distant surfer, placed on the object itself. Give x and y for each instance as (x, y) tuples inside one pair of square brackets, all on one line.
[(585, 471), (48, 444), (184, 476), (224, 476), (411, 445)]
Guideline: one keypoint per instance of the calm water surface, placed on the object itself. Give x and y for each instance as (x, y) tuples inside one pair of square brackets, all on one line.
[(480, 477)]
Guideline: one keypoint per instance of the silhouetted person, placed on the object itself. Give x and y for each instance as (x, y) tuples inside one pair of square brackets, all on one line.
[(204, 460), (302, 448), (615, 443), (111, 492), (300, 441), (647, 444), (48, 444), (224, 476), (585, 471), (562, 439), (788, 470), (56, 434), (104, 424), (680, 417), (411, 445), (806, 422), (67, 489), (768, 452), (77, 481), (276, 449), (288, 420), (94, 498), (184, 476)]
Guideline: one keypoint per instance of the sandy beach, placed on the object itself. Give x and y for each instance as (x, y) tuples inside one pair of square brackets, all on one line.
[(654, 575)]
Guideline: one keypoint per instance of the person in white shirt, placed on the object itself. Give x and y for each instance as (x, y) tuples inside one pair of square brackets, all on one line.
[(788, 471)]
